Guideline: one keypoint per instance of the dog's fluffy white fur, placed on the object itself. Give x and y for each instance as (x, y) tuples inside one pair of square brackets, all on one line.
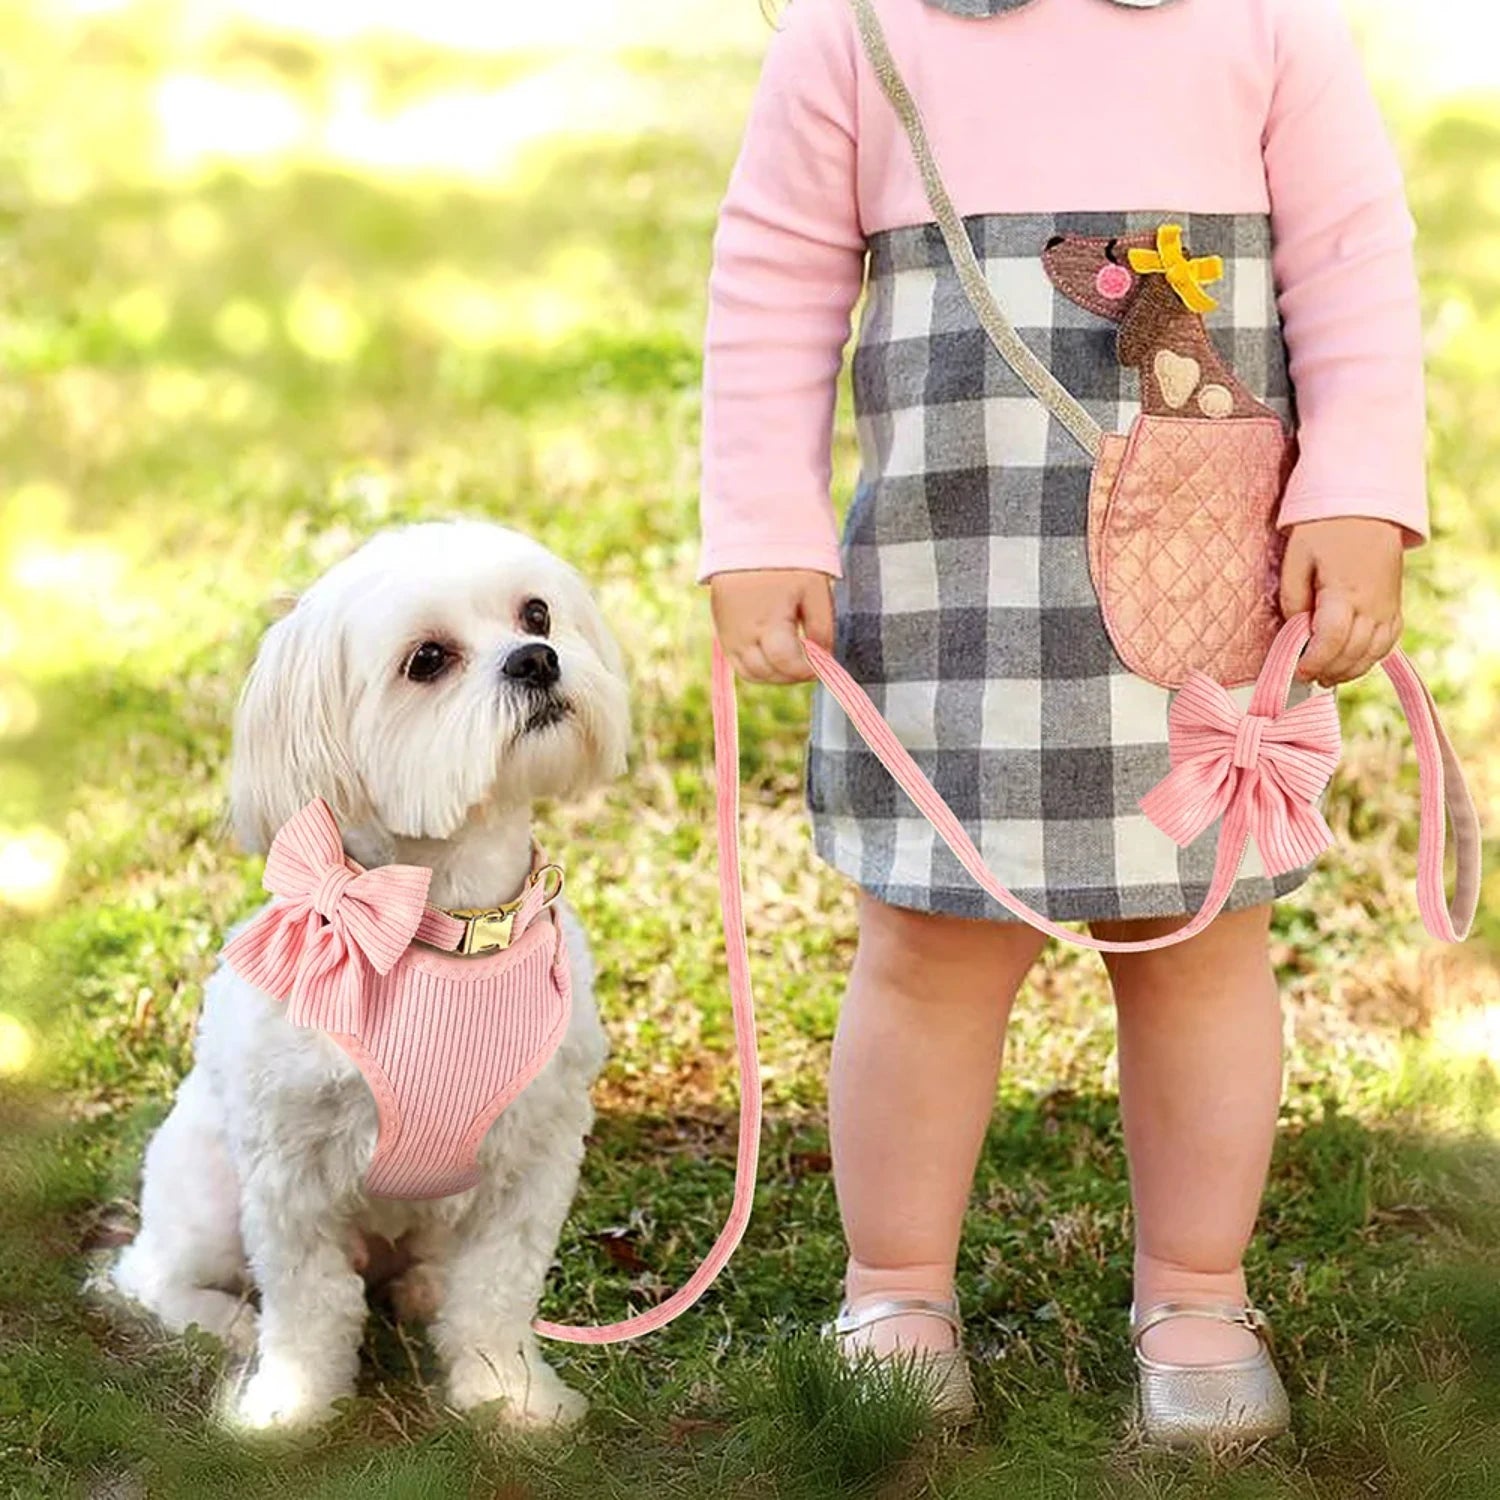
[(254, 1180)]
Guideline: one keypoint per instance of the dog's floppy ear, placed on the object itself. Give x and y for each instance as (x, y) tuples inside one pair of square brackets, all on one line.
[(595, 630), (291, 729), (608, 715)]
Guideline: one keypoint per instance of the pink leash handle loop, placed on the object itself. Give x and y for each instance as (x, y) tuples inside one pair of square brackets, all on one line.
[(1442, 788), (742, 1001), (1442, 785)]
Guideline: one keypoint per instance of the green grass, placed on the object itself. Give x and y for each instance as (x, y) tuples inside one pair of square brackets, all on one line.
[(219, 376)]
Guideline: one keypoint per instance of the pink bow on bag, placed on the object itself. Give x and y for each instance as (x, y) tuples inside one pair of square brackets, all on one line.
[(308, 945), (1275, 766)]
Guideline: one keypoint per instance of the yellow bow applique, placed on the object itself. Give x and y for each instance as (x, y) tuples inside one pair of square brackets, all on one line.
[(1186, 277)]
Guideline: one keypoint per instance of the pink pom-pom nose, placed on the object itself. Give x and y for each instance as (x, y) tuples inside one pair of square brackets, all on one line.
[(1114, 282)]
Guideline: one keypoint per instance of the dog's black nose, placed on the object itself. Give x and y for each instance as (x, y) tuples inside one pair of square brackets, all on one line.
[(535, 664)]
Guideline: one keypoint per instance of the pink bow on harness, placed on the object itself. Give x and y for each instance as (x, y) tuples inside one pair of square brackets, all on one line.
[(1274, 765), (307, 946)]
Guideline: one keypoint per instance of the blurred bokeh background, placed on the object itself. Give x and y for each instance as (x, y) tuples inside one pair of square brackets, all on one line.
[(277, 273)]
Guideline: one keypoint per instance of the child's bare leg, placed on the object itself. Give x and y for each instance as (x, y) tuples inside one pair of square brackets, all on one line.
[(1200, 1087), (910, 1093)]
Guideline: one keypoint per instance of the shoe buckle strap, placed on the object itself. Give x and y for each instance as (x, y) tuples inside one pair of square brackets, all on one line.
[(852, 1320), (1247, 1316)]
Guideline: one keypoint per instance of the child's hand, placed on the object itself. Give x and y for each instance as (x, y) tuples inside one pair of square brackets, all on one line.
[(1347, 571), (757, 613)]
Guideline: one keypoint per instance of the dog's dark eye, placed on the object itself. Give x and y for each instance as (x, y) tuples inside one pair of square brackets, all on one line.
[(535, 617), (429, 661)]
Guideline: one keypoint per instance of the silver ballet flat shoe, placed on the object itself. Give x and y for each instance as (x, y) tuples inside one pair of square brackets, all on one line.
[(944, 1371), (1205, 1406)]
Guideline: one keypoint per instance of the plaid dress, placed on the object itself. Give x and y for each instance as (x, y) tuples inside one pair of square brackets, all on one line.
[(966, 608)]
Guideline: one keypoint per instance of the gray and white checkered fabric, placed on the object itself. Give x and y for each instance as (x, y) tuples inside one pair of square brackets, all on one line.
[(966, 609)]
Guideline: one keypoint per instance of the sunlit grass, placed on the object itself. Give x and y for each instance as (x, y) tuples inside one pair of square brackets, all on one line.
[(204, 122), (1433, 50), (583, 25)]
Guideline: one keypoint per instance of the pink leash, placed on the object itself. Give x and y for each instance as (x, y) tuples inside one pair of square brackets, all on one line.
[(731, 898), (1261, 769)]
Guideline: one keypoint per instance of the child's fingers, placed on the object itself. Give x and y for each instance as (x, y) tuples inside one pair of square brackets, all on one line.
[(754, 667), (1333, 618), (1358, 655), (1383, 639), (1296, 580), (783, 650), (1387, 638), (817, 614)]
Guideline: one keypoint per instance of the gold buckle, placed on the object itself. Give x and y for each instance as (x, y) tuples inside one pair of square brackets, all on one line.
[(484, 930), (487, 929)]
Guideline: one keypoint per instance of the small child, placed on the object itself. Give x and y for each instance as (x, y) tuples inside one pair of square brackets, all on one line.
[(961, 596)]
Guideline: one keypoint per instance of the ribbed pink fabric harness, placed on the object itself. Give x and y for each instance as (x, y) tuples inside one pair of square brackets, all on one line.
[(444, 1042)]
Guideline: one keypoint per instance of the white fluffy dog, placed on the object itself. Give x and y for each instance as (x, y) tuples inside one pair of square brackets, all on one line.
[(386, 693)]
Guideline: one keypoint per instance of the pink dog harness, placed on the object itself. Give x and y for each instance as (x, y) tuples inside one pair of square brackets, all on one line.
[(444, 1042)]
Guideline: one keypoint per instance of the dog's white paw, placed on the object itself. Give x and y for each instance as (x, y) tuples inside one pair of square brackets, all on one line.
[(279, 1397), (529, 1392)]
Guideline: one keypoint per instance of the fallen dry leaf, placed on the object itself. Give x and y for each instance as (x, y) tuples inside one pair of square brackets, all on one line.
[(620, 1247)]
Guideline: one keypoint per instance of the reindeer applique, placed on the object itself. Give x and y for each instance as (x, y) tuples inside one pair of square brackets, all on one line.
[(1183, 544), (1154, 290)]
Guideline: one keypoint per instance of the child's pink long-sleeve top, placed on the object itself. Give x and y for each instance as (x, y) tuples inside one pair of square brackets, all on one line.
[(1209, 106)]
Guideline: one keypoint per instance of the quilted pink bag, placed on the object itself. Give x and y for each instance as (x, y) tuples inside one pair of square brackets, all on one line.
[(1184, 548)]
